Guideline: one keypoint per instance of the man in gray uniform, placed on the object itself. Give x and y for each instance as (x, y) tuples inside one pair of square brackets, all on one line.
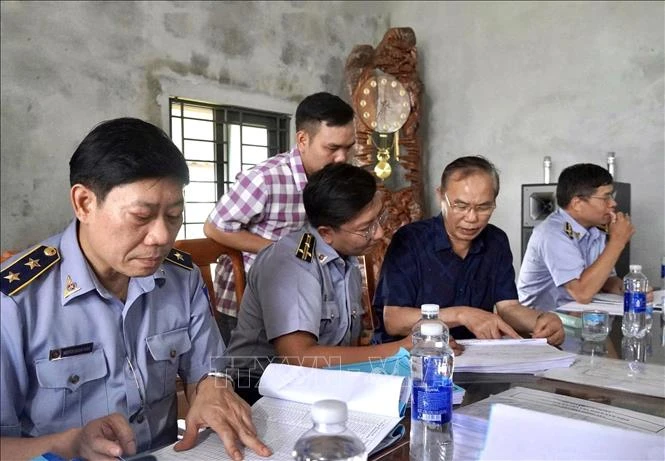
[(97, 321), (567, 257), (302, 303)]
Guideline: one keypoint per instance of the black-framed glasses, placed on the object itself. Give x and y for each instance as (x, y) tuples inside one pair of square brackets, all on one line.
[(482, 210), (372, 228), (606, 197)]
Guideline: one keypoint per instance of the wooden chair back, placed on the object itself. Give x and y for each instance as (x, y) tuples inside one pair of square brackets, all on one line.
[(206, 251), (6, 255)]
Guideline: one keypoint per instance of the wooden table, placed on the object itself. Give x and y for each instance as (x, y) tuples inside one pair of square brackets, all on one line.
[(479, 386)]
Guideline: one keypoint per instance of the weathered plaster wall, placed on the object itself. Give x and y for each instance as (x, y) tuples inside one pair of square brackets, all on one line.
[(512, 80), (516, 81), (65, 66)]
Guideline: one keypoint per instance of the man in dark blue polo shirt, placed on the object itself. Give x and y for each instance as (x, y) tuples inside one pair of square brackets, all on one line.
[(461, 262)]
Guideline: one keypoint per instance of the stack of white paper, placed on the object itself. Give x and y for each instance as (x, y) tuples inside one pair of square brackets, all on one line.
[(642, 378), (470, 425), (510, 356), (609, 302), (518, 434)]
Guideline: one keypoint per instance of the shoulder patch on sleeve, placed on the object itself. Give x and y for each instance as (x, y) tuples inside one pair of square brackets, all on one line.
[(27, 268), (180, 258), (306, 247)]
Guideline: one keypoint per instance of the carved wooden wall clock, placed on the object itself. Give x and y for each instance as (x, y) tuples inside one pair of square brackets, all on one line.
[(386, 92)]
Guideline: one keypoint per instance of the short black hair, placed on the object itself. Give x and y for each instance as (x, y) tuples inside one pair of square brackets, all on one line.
[(466, 166), (580, 180), (322, 107), (122, 151), (337, 193)]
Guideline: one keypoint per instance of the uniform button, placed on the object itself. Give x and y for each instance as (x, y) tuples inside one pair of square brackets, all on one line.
[(139, 419), (74, 379), (332, 316), (173, 353)]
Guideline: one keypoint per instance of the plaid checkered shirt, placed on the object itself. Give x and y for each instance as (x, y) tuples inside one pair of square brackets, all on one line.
[(267, 201)]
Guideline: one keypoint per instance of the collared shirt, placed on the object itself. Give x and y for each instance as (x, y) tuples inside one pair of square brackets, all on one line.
[(559, 250), (421, 267), (137, 347), (285, 294), (266, 201)]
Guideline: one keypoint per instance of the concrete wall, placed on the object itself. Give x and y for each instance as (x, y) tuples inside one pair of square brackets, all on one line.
[(68, 65), (516, 81), (513, 81)]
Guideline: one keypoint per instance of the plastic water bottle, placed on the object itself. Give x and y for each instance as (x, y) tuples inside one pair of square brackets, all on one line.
[(432, 363), (329, 439), (429, 313), (635, 284)]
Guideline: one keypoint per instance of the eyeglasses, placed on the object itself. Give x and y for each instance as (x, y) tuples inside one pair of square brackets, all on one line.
[(607, 197), (372, 228), (482, 211)]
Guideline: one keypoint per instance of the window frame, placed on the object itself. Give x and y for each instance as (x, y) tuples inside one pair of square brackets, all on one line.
[(223, 118)]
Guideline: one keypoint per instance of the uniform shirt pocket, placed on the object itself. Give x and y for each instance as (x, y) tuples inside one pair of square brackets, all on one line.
[(330, 332), (165, 350), (71, 391)]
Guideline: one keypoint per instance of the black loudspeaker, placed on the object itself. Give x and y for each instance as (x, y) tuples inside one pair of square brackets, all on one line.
[(539, 200)]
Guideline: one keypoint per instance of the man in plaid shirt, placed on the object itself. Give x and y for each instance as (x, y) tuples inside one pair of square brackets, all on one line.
[(265, 202)]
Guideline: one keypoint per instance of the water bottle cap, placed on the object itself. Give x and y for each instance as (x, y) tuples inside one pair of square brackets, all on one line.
[(429, 309), (431, 329), (329, 412), (635, 267)]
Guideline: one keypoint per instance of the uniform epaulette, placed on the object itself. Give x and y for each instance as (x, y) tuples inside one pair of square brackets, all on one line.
[(568, 229), (27, 268), (306, 247), (180, 258)]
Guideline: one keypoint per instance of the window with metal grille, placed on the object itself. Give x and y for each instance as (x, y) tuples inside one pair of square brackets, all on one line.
[(219, 142)]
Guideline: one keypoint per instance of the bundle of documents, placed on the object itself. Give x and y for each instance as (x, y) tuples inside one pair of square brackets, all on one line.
[(398, 364), (642, 378), (529, 424), (510, 356), (609, 302), (376, 406)]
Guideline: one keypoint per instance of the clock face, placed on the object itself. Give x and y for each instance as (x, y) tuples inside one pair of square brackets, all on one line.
[(383, 104)]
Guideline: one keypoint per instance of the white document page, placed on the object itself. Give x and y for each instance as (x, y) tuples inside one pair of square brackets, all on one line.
[(365, 392), (510, 356), (565, 406), (609, 302), (608, 298), (283, 414), (642, 378), (519, 434), (279, 424), (573, 306)]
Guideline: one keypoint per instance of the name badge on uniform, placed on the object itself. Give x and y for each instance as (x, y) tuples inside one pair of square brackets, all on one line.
[(55, 354)]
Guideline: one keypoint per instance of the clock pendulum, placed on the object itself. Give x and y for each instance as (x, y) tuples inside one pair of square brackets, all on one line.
[(382, 169)]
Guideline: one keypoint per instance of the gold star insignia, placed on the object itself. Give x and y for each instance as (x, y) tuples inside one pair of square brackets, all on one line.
[(178, 256), (12, 277), (32, 263)]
